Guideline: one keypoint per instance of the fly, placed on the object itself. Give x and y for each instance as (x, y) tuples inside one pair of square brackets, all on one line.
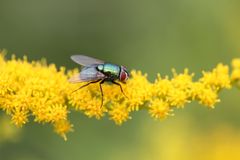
[(95, 70)]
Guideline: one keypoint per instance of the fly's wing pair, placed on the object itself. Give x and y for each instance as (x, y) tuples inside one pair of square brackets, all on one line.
[(89, 72), (85, 60)]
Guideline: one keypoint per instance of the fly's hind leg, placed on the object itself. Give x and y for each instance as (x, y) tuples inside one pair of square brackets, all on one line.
[(120, 88), (85, 85), (100, 85)]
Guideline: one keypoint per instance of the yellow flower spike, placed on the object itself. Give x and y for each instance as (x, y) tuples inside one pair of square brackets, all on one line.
[(138, 89), (36, 89), (85, 98), (182, 81), (62, 128), (19, 117), (119, 113), (159, 109), (218, 78), (161, 87), (93, 109), (179, 94), (113, 92), (177, 98), (205, 95), (208, 98), (57, 112)]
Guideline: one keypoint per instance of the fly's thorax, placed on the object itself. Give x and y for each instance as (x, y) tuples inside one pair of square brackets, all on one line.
[(110, 70)]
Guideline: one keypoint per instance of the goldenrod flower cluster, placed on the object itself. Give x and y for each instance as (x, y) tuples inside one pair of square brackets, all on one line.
[(36, 89)]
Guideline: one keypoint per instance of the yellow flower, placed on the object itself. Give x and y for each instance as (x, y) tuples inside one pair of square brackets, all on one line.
[(205, 95), (218, 78), (177, 97), (32, 89), (19, 117), (159, 109), (162, 87), (62, 127), (183, 80), (93, 108), (138, 90), (119, 113), (175, 91), (41, 91)]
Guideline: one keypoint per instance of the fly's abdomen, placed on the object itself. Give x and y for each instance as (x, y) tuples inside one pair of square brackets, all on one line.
[(111, 70)]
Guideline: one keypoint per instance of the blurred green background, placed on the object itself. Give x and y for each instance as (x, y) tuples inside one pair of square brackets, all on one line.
[(152, 36)]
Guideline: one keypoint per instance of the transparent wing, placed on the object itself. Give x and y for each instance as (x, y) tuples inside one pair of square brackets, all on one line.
[(85, 60), (87, 74)]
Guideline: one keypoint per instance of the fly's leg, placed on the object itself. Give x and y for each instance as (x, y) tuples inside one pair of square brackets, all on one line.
[(85, 85), (120, 88), (100, 85)]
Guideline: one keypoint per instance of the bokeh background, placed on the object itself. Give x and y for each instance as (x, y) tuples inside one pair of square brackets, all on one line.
[(152, 36)]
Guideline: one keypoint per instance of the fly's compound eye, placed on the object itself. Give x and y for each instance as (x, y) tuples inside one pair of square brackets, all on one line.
[(123, 76)]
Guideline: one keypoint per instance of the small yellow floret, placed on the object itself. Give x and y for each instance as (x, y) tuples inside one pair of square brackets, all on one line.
[(218, 78), (62, 128), (19, 117), (119, 114), (159, 109)]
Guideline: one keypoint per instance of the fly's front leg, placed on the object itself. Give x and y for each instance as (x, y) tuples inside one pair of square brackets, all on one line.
[(120, 88)]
